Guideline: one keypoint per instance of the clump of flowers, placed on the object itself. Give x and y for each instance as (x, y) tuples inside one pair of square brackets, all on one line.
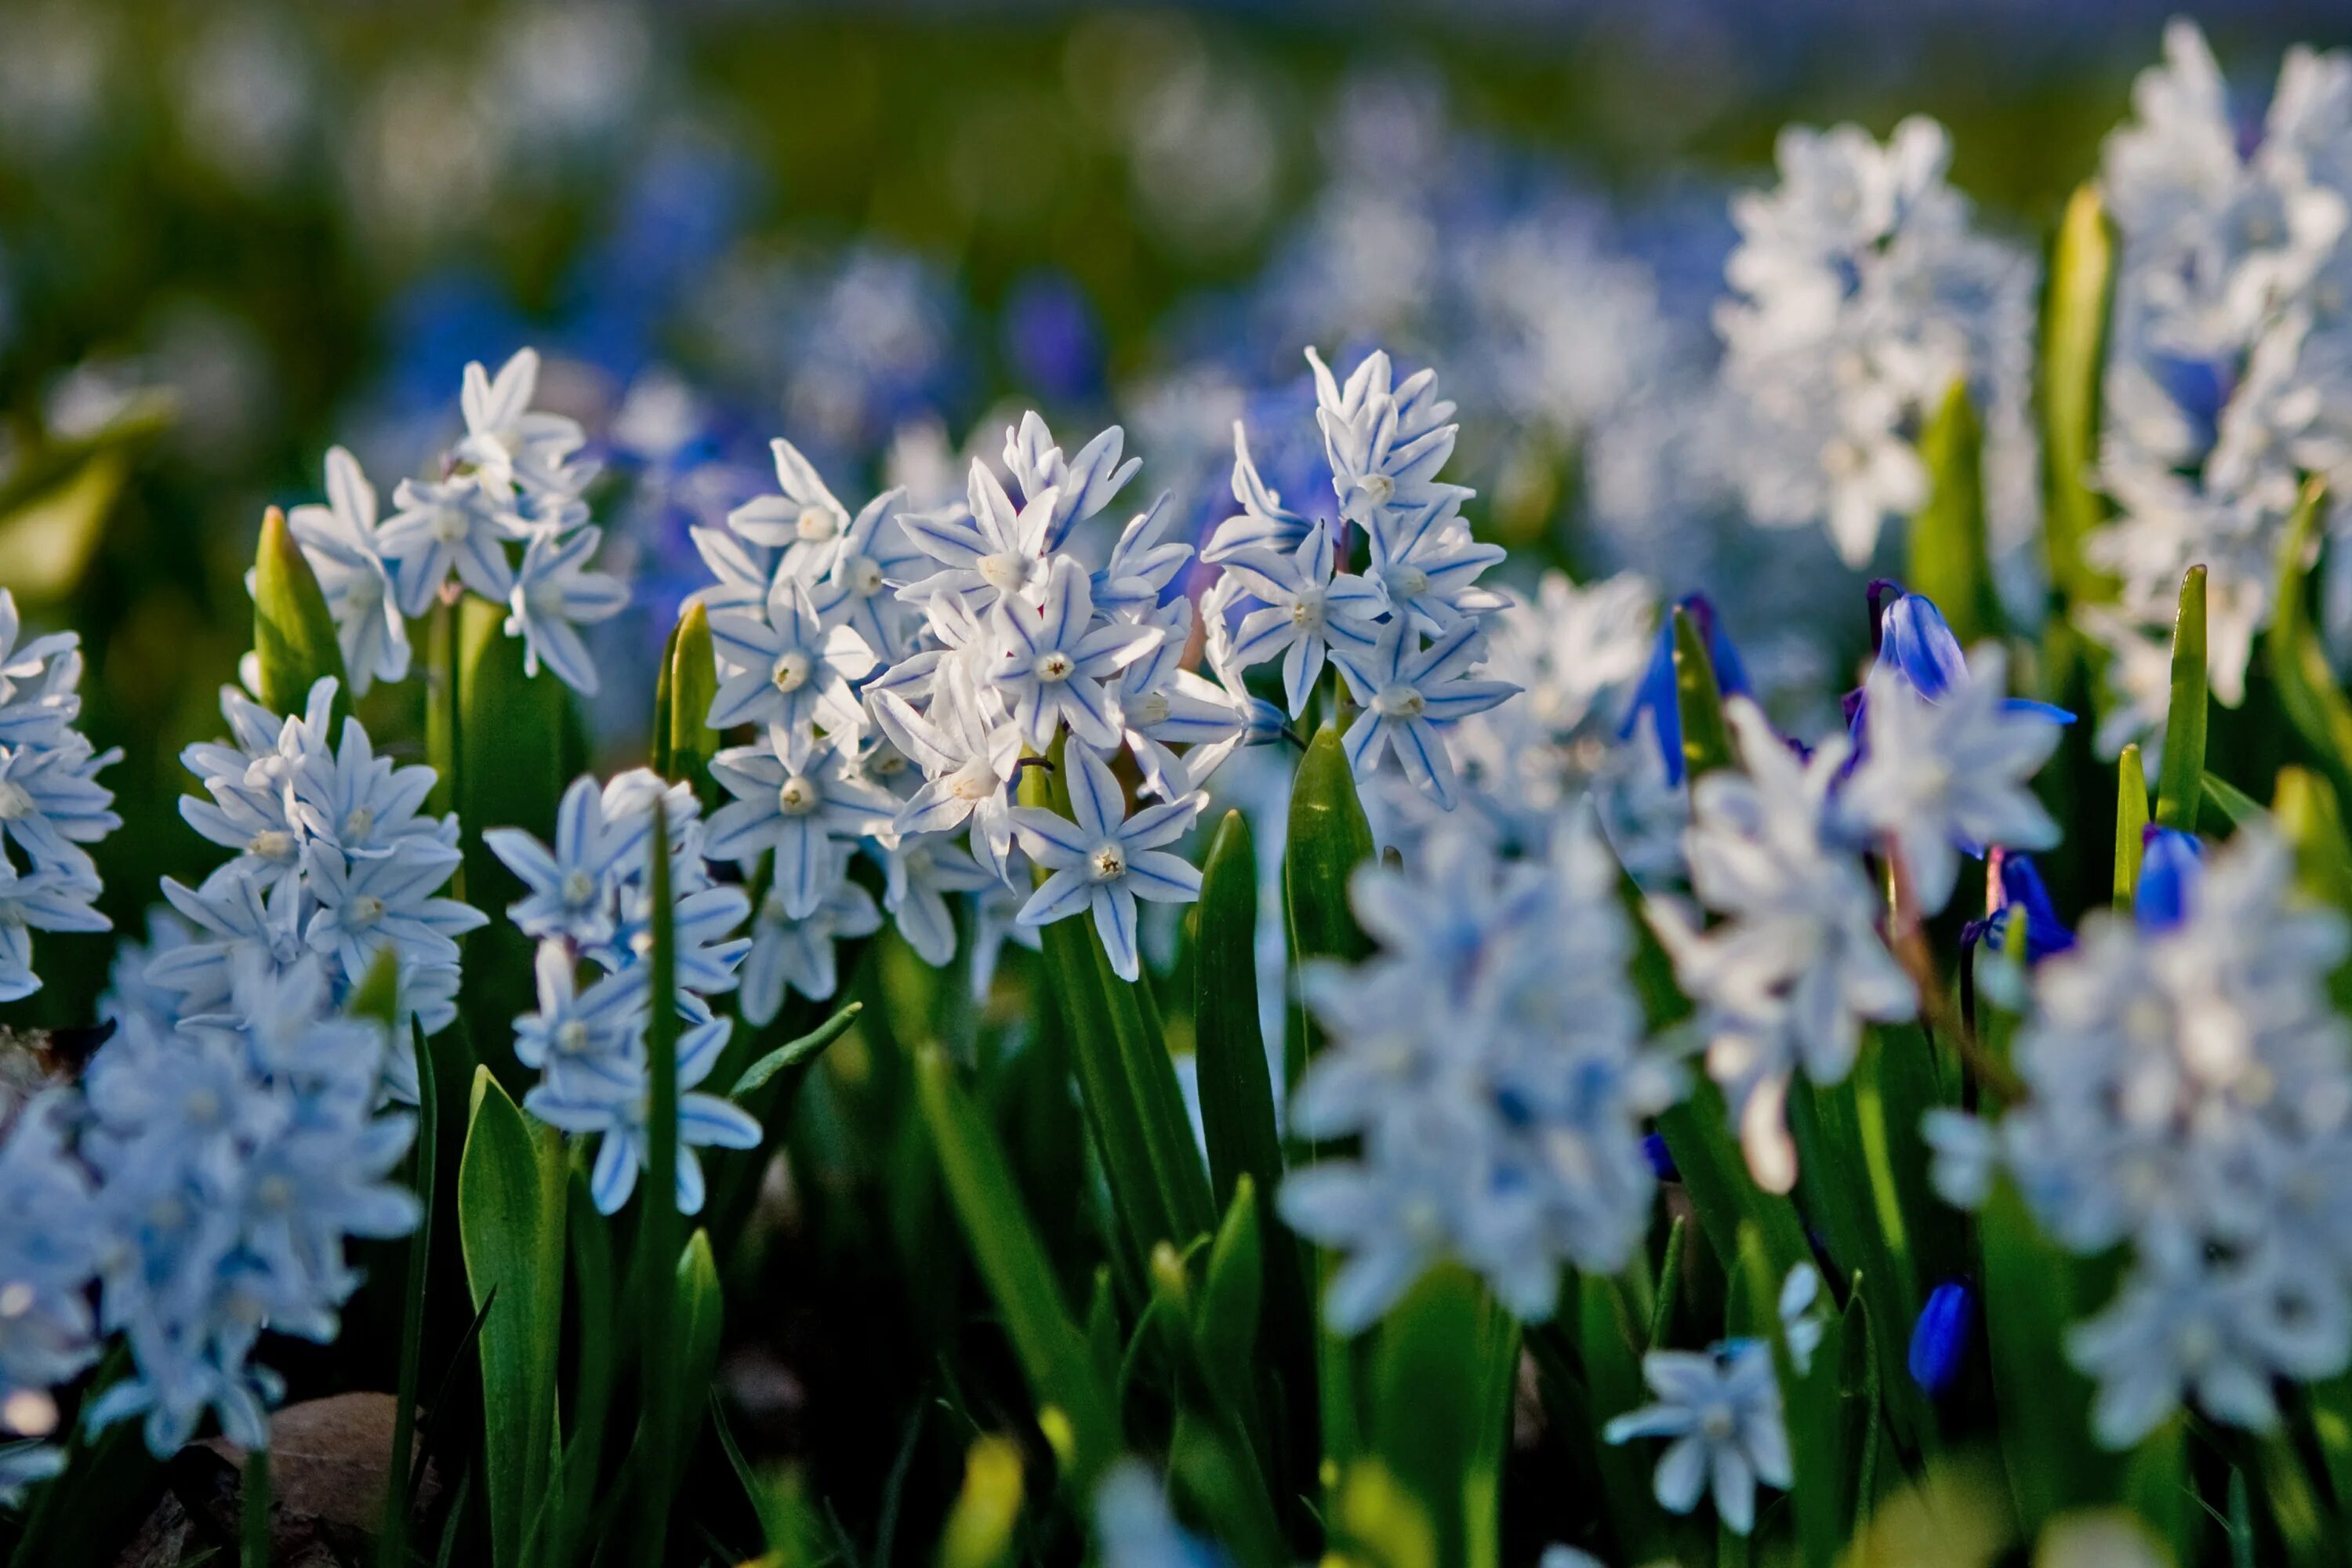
[(2189, 1098), (590, 904), (51, 802)]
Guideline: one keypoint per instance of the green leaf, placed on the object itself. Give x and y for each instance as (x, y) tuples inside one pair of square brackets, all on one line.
[(511, 1229), (2131, 824), (1610, 1362), (507, 756), (658, 732), (2179, 781), (665, 1337), (293, 634), (1715, 1174), (696, 1319), (1809, 1401), (253, 1535), (1227, 1321), (2223, 807), (1126, 1078), (48, 540), (1075, 1409), (2072, 366), (2308, 813), (691, 684), (594, 1367), (1698, 701), (2307, 689), (1229, 1049), (2034, 1292), (795, 1057), (1948, 559), (392, 1536), (1327, 838), (979, 1532), (1430, 1416)]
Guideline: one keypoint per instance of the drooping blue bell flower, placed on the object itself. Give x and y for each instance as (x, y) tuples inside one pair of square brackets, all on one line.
[(1939, 1340), (2023, 895), (1910, 637), (1656, 694), (2171, 865)]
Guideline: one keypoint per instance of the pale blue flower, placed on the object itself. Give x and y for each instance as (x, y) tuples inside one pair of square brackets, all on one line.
[(438, 527), (1264, 522), (1407, 691), (573, 1024), (1143, 564), (610, 1102), (572, 891), (792, 953), (339, 541), (361, 804), (1102, 860), (508, 445), (986, 549), (1053, 659), (1385, 443), (1304, 612), (366, 906), (968, 760), (917, 875), (1722, 1410), (786, 668), (1081, 486), (554, 593), (46, 899), (800, 812), (51, 801)]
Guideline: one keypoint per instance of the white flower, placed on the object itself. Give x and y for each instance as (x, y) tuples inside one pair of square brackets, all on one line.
[(339, 541), (1407, 691), (440, 527), (611, 1101), (1052, 660), (1385, 443), (1102, 859), (968, 760), (785, 669), (917, 875), (1936, 776), (365, 906), (1306, 611), (554, 592), (509, 445), (791, 953), (1722, 1409), (799, 811)]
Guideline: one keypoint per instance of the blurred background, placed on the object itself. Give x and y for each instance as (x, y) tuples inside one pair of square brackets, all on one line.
[(233, 235)]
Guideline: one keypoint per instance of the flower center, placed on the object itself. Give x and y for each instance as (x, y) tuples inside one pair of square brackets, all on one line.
[(1109, 862), (364, 910), (203, 1107), (272, 844), (1398, 702), (571, 1037), (360, 823), (1054, 665), (1307, 610), (16, 802), (579, 887), (450, 525), (1378, 489), (1153, 707), (773, 909), (864, 575), (816, 524), (975, 781), (791, 671), (1004, 571), (274, 1192), (1407, 582), (16, 1299), (799, 796), (1718, 1423)]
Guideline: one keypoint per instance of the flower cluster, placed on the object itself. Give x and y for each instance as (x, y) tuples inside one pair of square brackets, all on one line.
[(232, 1157), (333, 855), (1862, 298), (2230, 345), (48, 1251), (1491, 1059), (589, 903), (514, 483), (51, 802), (2189, 1097), (1795, 963)]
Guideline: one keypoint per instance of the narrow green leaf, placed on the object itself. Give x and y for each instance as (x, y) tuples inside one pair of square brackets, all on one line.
[(48, 538), (1214, 1479), (2223, 807), (661, 1332), (979, 1532), (1612, 1365), (293, 633), (2131, 824), (696, 1319), (594, 1367), (1227, 1321), (1428, 1413), (2308, 813), (2178, 779), (1699, 699), (1074, 1408), (2073, 368), (1715, 1173), (658, 733), (392, 1536), (693, 685), (1327, 838), (1670, 1284), (1948, 559), (2157, 1487), (2306, 685), (1236, 1085), (510, 1228), (2034, 1292), (795, 1057)]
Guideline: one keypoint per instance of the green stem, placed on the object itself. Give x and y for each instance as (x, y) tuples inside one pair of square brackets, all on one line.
[(255, 1534)]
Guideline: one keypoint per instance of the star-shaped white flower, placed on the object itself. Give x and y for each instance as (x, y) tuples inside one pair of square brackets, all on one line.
[(340, 543), (1052, 660), (1407, 691), (554, 592), (1103, 860)]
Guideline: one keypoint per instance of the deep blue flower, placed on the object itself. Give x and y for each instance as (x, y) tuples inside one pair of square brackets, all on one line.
[(1052, 339), (2171, 865), (1910, 637), (2023, 892), (1939, 1340), (1656, 694), (1661, 1158)]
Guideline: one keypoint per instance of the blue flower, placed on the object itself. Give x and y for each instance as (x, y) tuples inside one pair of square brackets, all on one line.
[(2021, 893), (1939, 1340), (1913, 641), (2172, 866), (1656, 694)]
